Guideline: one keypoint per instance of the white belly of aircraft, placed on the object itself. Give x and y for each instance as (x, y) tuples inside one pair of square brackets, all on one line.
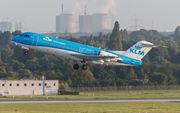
[(54, 51), (66, 54)]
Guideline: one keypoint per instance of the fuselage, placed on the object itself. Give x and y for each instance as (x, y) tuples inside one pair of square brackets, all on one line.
[(65, 48)]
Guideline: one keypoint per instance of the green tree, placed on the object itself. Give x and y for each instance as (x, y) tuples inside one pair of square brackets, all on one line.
[(159, 77), (141, 74), (16, 33), (91, 43), (177, 31), (16, 65), (33, 64), (2, 72), (6, 54), (131, 75), (25, 73), (18, 53), (125, 35), (115, 38)]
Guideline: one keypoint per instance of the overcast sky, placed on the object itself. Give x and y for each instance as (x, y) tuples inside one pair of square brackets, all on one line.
[(39, 15)]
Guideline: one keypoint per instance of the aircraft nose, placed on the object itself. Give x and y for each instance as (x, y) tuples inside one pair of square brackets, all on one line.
[(15, 38)]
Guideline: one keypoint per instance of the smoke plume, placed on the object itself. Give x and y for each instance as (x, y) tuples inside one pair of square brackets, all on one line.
[(102, 6)]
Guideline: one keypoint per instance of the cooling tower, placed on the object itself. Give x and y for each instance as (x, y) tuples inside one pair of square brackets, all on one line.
[(99, 22), (85, 23), (67, 23)]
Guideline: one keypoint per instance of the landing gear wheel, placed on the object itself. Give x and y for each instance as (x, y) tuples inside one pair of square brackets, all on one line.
[(76, 66), (25, 52), (84, 67)]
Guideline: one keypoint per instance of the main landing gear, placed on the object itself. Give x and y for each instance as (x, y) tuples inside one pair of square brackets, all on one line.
[(25, 52), (84, 67), (76, 66)]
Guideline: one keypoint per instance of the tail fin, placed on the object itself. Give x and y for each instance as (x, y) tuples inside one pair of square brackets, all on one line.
[(139, 50)]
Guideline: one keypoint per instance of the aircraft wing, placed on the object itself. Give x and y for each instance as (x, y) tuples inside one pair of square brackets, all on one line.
[(92, 57)]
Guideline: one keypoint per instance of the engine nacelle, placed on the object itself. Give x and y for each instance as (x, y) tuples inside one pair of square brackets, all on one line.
[(114, 60), (103, 53), (98, 62)]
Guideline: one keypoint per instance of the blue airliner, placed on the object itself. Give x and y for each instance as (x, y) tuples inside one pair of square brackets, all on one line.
[(83, 53)]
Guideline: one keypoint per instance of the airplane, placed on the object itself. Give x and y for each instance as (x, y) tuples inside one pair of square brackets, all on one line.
[(83, 53)]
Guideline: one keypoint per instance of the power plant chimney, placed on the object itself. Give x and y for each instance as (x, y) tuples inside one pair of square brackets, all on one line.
[(62, 7), (85, 11)]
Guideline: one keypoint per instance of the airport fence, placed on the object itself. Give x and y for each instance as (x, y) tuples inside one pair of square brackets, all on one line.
[(127, 88)]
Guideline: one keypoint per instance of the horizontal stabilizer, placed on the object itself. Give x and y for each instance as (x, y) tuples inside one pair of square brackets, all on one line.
[(153, 45)]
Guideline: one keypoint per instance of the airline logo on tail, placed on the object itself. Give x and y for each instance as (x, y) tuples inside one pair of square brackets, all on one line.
[(137, 50), (138, 47)]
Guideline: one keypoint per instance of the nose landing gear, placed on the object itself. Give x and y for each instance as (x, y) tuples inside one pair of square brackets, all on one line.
[(25, 52)]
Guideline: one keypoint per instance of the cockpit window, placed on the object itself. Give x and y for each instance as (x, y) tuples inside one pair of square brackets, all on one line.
[(25, 35)]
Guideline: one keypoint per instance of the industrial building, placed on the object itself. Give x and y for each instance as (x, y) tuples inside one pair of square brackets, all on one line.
[(92, 23), (85, 23), (99, 22), (5, 26), (29, 87), (65, 23)]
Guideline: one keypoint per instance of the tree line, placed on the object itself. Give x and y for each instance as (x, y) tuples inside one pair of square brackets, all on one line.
[(161, 66)]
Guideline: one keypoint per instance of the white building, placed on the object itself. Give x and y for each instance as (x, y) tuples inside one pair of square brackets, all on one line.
[(29, 87)]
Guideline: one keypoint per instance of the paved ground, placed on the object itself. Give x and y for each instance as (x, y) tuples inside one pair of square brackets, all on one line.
[(93, 100)]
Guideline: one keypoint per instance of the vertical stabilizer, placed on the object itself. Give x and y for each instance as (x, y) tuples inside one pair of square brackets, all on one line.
[(139, 50)]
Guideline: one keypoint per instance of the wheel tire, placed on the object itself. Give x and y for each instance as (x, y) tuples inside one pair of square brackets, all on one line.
[(84, 67), (25, 52), (76, 66)]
